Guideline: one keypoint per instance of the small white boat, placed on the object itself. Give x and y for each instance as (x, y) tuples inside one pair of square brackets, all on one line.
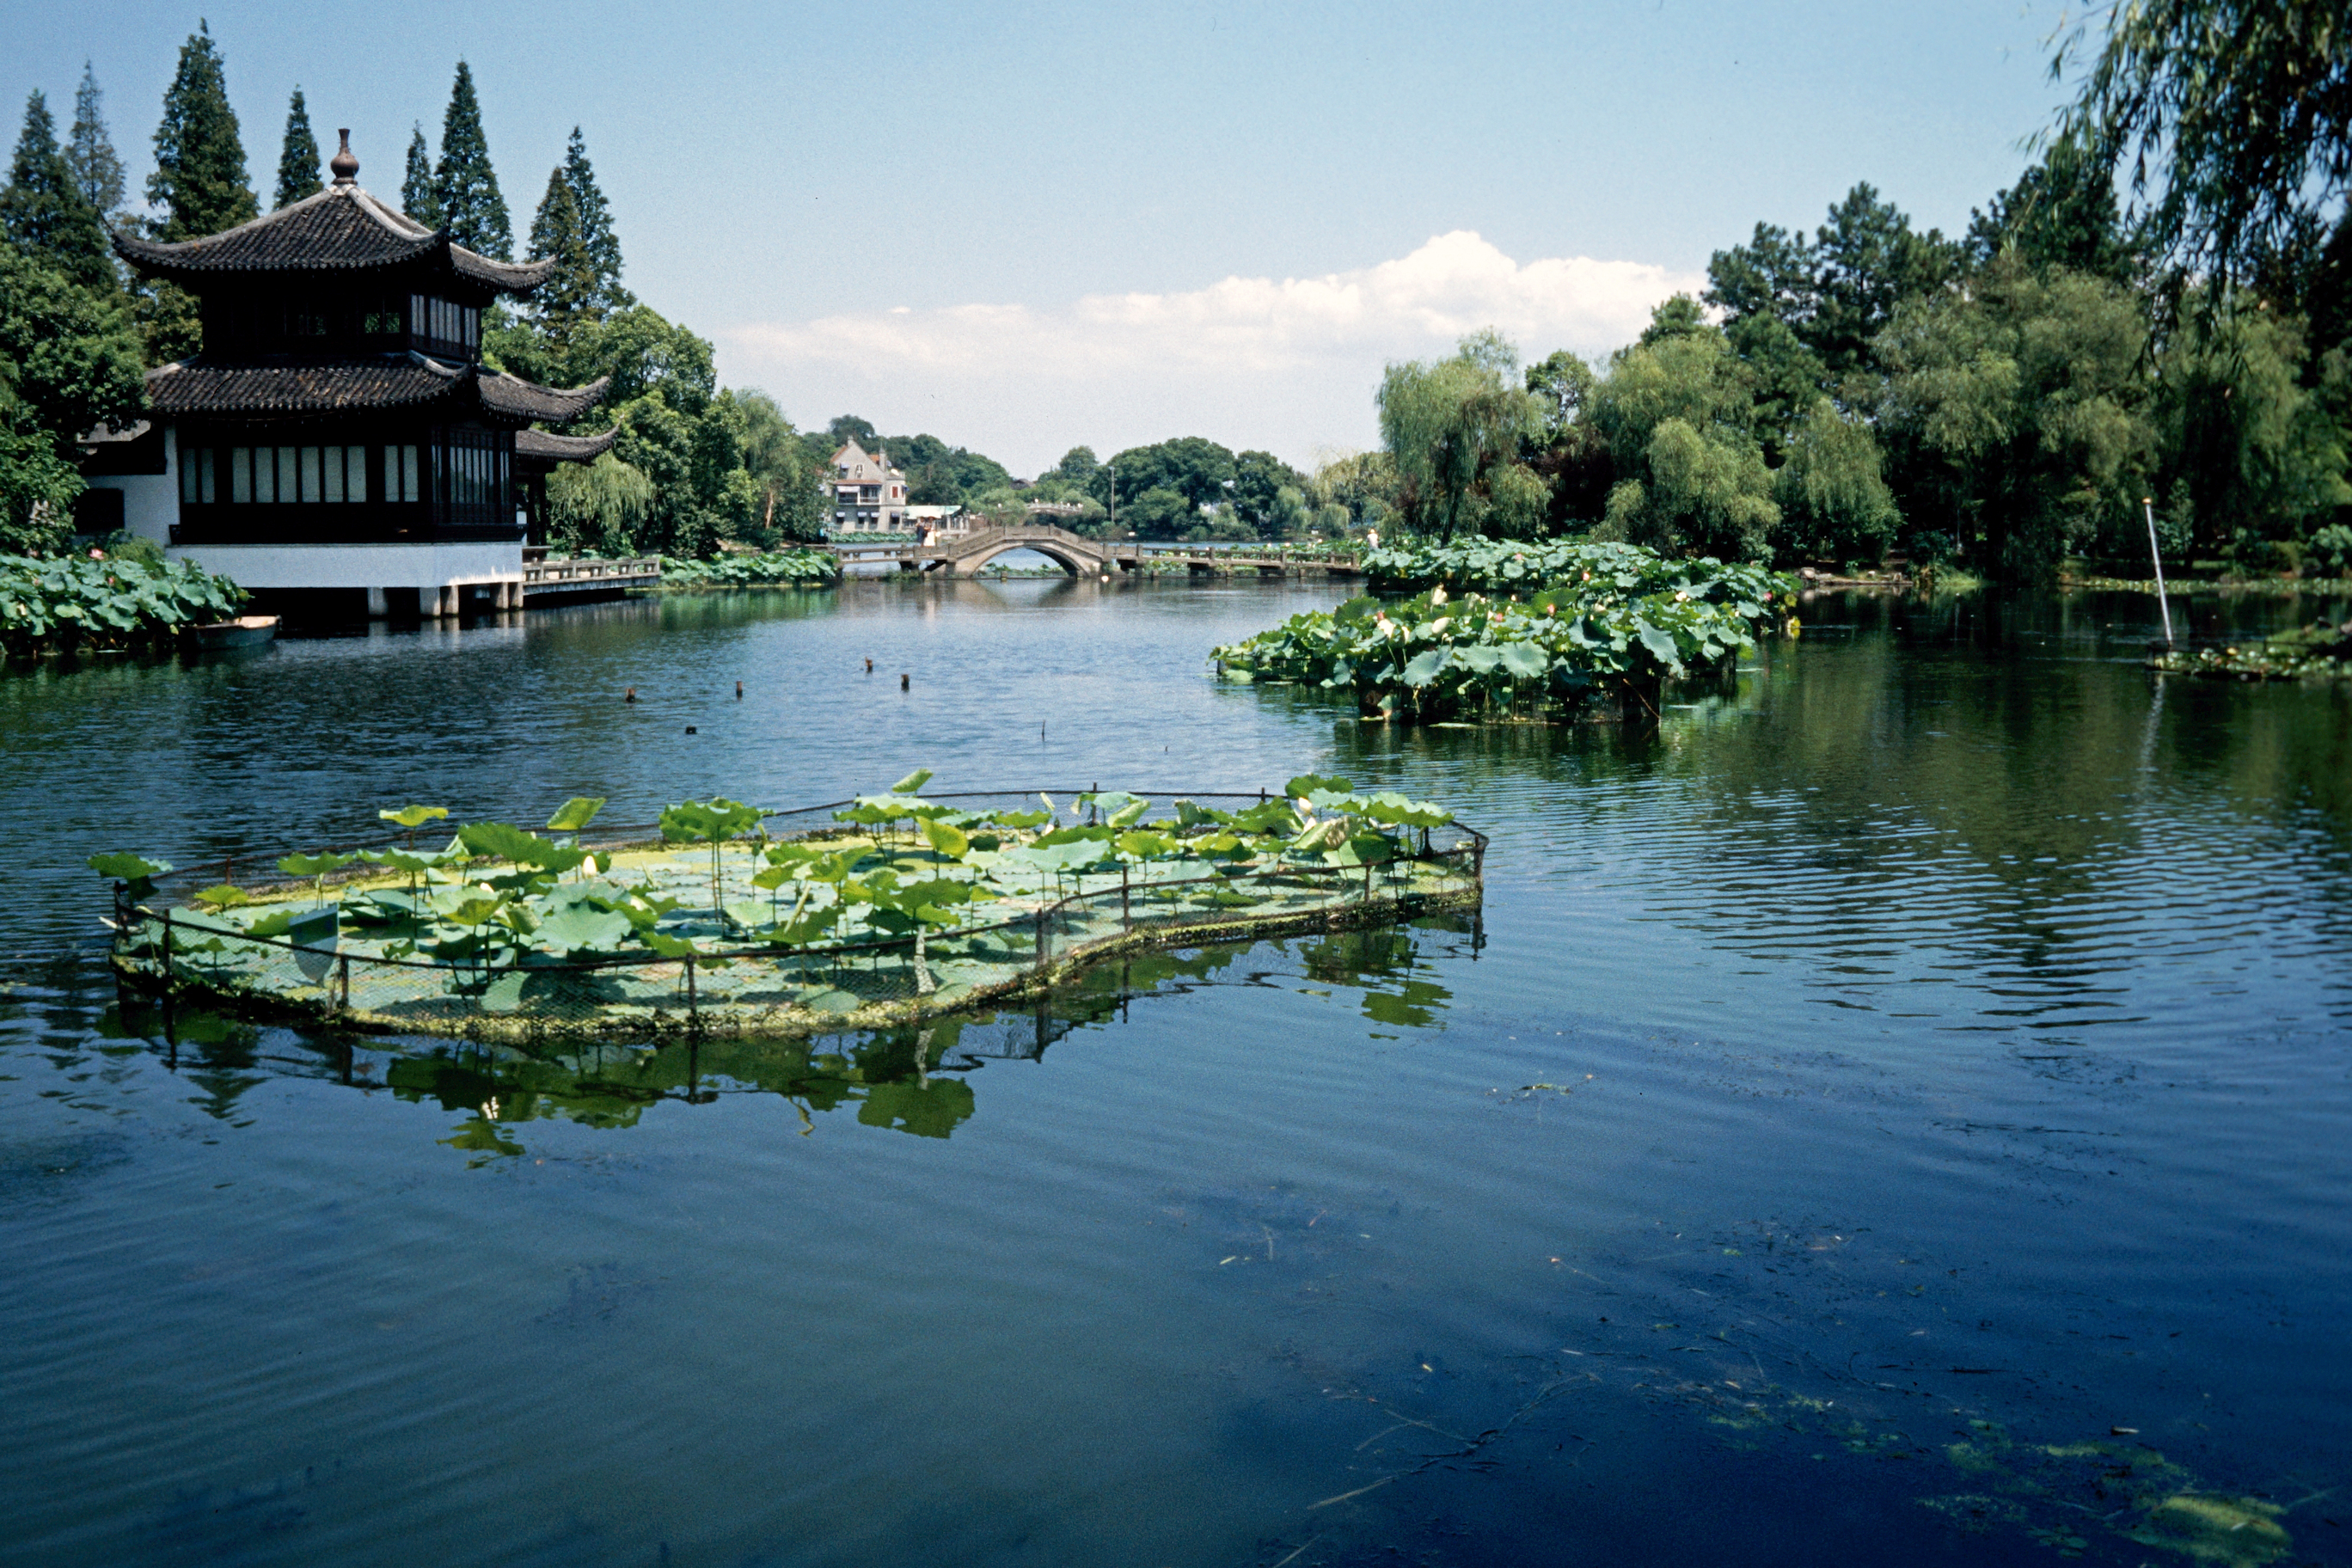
[(246, 631)]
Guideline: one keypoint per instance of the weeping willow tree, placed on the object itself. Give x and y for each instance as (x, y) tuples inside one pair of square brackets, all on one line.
[(2234, 117), (1451, 425), (598, 508)]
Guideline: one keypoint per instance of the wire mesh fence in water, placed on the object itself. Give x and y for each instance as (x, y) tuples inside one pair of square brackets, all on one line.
[(1022, 939)]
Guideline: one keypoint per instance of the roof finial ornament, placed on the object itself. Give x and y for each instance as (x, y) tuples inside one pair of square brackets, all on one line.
[(346, 166)]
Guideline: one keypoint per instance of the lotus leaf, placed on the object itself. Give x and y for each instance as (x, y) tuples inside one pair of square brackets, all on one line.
[(501, 842), (580, 927), (1305, 785), (414, 815), (1361, 849), (951, 842), (223, 896), (577, 812), (913, 783), (1145, 845), (1526, 660), (126, 867), (1425, 666)]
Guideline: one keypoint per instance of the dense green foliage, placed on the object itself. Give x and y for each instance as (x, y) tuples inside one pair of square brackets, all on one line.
[(466, 199), (765, 569), (297, 160), (75, 601), (68, 361), (1595, 620)]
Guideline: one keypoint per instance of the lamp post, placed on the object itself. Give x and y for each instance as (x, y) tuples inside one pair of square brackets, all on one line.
[(2147, 510)]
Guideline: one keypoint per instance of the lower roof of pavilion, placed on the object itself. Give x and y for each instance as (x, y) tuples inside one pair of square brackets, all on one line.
[(294, 387)]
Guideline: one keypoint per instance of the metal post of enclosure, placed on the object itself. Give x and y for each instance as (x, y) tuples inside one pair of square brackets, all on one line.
[(343, 973), (1125, 923), (693, 1010)]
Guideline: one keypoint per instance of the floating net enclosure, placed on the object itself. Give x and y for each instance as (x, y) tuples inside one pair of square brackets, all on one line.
[(352, 947)]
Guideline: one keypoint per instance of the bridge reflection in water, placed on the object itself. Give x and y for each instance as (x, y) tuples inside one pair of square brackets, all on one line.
[(916, 1079), (964, 554)]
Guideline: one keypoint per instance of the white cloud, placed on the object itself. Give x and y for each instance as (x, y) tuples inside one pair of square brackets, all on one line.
[(1290, 365)]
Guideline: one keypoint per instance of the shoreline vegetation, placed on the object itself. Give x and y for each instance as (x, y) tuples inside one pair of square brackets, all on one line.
[(780, 922)]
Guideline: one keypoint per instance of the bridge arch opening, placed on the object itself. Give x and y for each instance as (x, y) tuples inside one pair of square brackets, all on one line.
[(1069, 561)]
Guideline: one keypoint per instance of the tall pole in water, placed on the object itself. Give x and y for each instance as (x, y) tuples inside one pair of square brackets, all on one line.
[(2147, 510)]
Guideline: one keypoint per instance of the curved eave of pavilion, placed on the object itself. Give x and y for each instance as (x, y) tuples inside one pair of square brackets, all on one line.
[(293, 387), (515, 398), (546, 446), (339, 231)]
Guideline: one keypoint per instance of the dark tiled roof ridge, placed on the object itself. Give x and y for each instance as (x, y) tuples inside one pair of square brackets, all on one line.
[(316, 235)]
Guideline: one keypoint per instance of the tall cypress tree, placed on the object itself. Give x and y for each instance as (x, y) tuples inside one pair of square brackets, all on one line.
[(596, 236), (298, 164), (44, 216), (570, 292), (417, 185), (89, 150), (199, 178), (464, 186)]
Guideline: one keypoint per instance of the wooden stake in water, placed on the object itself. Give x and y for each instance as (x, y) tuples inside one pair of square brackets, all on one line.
[(2147, 509)]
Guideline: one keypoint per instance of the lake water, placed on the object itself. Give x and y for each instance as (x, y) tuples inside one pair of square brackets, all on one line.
[(1896, 1110)]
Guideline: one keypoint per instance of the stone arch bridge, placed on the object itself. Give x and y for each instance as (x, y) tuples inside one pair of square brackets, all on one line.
[(964, 554)]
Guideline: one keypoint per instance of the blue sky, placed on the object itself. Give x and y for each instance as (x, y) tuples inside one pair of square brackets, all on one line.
[(1022, 227)]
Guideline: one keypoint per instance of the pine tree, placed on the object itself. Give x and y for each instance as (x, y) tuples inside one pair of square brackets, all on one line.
[(570, 292), (44, 216), (89, 150), (199, 176), (298, 165), (602, 245), (463, 187), (417, 185)]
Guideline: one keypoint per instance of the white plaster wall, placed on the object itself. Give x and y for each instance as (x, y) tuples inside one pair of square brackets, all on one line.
[(151, 502), (426, 566)]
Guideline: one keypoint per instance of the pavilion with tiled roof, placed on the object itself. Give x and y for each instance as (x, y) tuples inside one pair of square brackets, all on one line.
[(339, 432)]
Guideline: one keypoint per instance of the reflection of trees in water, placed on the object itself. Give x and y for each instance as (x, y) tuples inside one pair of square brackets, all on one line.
[(1978, 782), (913, 1079)]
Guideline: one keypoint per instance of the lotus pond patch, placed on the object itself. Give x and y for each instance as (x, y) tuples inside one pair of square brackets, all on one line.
[(75, 601), (2320, 651), (769, 569), (724, 916), (1594, 622)]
